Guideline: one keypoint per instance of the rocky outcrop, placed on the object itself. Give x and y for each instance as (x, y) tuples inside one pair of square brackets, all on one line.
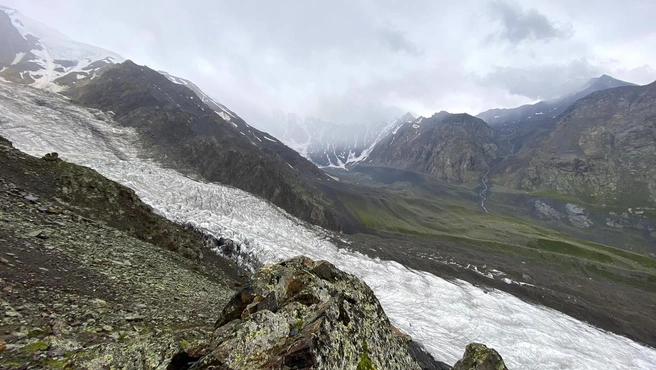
[(302, 314), (577, 216), (479, 357), (454, 147), (546, 212)]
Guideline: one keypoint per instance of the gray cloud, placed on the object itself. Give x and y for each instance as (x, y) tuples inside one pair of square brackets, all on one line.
[(396, 40), (358, 60), (519, 24)]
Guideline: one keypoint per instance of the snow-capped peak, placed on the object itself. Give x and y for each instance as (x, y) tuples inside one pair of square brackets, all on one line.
[(44, 57)]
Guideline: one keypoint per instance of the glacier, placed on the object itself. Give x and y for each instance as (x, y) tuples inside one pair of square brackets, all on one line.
[(442, 315)]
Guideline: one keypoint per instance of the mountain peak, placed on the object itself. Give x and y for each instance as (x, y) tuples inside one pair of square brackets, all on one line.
[(35, 54), (605, 82), (408, 117)]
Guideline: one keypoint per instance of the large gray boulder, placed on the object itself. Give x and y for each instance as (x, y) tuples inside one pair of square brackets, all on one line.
[(301, 314)]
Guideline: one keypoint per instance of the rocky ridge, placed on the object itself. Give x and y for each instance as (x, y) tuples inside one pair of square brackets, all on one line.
[(454, 147)]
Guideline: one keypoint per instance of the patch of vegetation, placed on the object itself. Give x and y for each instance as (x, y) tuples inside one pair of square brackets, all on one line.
[(184, 344), (36, 347), (640, 259), (365, 362), (648, 283), (561, 247), (56, 364)]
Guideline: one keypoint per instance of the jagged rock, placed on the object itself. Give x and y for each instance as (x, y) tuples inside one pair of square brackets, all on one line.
[(577, 216), (302, 314), (51, 156), (479, 357), (547, 212)]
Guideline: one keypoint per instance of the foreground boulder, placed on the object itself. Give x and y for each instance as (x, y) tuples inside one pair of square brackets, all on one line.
[(479, 357), (301, 314)]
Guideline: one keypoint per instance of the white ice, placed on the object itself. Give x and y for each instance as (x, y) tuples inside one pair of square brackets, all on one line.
[(442, 315)]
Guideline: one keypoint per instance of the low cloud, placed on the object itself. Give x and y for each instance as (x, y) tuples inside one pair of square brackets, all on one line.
[(543, 82), (396, 41)]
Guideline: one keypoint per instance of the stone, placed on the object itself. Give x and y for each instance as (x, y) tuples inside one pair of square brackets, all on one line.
[(479, 357), (133, 318), (12, 314), (547, 212), (577, 216), (51, 156)]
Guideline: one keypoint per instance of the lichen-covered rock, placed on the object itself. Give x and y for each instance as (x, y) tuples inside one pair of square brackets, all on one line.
[(301, 314), (479, 357)]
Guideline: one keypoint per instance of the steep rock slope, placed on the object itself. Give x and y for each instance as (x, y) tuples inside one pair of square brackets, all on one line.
[(603, 150), (454, 147), (32, 53), (90, 273), (186, 133)]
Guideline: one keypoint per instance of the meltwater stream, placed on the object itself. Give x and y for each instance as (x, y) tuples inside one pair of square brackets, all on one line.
[(444, 316)]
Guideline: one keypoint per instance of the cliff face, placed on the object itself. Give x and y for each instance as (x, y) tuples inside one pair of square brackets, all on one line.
[(603, 151), (453, 147)]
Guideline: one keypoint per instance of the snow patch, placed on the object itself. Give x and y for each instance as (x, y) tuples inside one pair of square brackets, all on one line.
[(225, 116), (18, 58)]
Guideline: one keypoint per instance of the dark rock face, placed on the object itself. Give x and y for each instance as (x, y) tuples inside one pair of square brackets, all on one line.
[(479, 357), (454, 147), (302, 314), (602, 151), (12, 41), (186, 133)]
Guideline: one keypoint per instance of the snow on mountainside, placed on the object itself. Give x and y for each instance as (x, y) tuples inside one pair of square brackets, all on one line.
[(35, 54), (219, 108), (332, 145), (442, 315)]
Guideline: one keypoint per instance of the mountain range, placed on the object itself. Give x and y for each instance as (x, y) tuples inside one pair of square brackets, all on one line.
[(551, 202), (183, 125)]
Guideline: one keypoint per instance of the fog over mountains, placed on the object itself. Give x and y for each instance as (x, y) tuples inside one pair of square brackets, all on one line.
[(378, 61)]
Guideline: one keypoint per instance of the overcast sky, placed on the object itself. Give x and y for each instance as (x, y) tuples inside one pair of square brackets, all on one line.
[(363, 60)]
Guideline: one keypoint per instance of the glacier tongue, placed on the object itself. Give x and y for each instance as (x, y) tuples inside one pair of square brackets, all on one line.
[(442, 315)]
